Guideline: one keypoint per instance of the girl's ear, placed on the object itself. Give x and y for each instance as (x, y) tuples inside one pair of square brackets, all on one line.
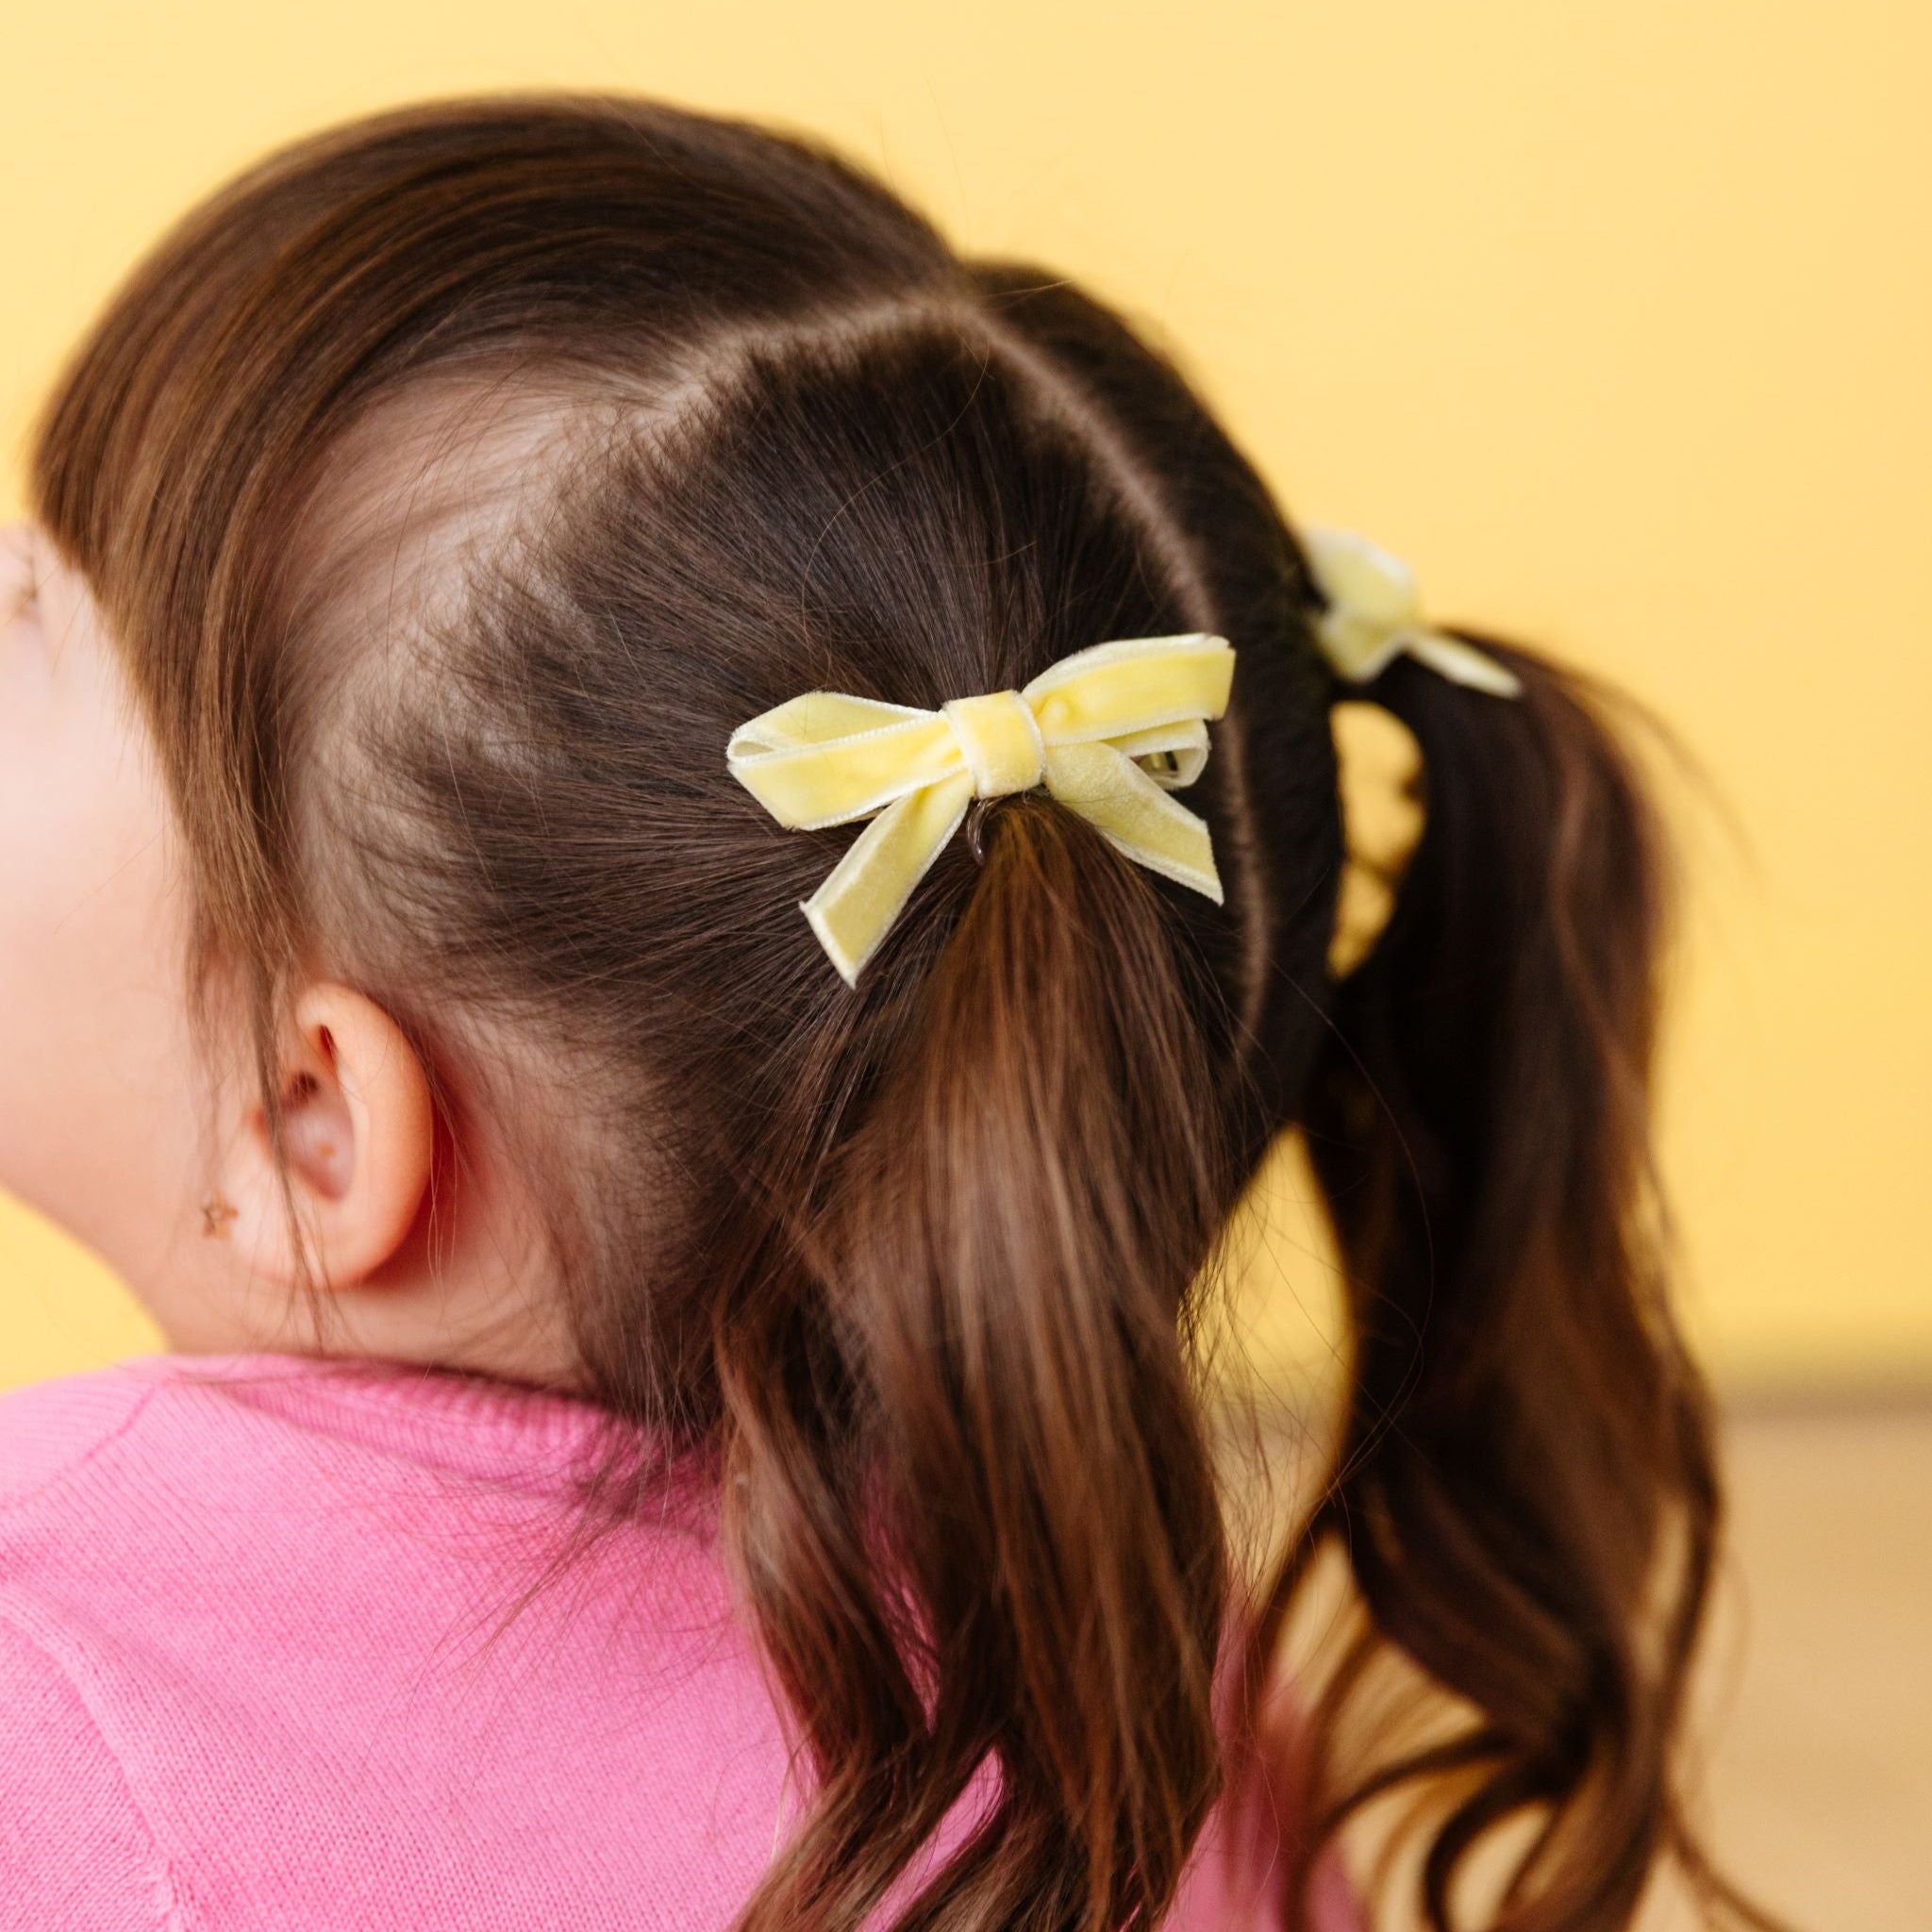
[(359, 1132)]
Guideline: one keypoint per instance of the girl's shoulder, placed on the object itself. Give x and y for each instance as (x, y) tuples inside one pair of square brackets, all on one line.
[(61, 1783), (62, 1787), (259, 1634)]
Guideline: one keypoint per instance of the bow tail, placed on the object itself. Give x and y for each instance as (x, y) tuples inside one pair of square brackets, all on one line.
[(1152, 828), (863, 894), (1461, 663)]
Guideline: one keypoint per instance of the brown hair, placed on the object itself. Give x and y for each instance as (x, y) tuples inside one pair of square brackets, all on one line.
[(920, 1263)]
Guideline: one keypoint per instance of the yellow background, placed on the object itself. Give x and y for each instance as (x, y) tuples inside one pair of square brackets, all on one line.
[(1612, 319)]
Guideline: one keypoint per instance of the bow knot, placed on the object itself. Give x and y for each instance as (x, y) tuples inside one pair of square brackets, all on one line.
[(999, 737), (1109, 731)]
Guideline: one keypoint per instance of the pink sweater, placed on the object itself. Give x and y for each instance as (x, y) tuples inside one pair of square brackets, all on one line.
[(244, 1681)]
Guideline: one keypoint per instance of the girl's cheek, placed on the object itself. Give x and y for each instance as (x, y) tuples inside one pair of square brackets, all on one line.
[(90, 1004)]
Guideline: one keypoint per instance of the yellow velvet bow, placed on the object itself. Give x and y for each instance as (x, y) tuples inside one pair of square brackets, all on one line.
[(1375, 612), (1109, 730)]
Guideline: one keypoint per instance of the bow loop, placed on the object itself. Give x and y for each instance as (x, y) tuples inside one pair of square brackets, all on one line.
[(1109, 730)]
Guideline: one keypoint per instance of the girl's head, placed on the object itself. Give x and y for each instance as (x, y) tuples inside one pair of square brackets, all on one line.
[(407, 539)]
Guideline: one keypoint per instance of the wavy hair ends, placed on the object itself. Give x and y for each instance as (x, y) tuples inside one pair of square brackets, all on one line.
[(920, 1264), (1525, 1486), (1012, 1234)]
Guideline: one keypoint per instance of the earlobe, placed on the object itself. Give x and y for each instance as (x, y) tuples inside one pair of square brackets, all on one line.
[(358, 1136)]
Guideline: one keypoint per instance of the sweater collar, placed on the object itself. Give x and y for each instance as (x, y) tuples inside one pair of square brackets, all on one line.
[(461, 1422)]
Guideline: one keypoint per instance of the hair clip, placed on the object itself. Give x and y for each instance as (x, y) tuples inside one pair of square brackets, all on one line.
[(1373, 612), (1109, 730)]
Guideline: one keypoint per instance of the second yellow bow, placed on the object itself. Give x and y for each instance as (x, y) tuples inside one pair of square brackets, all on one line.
[(1109, 731)]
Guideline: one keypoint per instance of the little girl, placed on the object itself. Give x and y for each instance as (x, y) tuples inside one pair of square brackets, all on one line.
[(667, 857)]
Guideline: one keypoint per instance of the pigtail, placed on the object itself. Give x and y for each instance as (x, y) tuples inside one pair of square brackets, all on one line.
[(1019, 1221), (1524, 1487), (1525, 1484)]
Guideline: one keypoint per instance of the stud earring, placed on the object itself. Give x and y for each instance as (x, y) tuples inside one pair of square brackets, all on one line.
[(216, 1212)]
